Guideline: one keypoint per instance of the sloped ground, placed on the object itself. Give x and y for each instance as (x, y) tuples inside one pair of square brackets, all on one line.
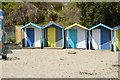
[(50, 63)]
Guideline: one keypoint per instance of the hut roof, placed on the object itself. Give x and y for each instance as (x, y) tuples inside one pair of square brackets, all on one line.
[(100, 25), (53, 24), (75, 25), (31, 24), (116, 28)]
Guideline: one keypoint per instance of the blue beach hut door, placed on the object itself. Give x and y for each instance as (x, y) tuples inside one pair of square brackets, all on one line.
[(30, 37), (105, 38), (73, 38)]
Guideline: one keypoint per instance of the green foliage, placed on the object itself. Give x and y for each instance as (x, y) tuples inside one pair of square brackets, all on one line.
[(84, 13), (99, 12), (10, 6), (53, 16)]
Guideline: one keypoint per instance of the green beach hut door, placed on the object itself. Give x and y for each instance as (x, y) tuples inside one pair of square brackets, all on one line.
[(73, 38)]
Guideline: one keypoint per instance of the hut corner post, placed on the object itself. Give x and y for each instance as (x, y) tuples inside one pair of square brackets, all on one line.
[(21, 38), (89, 39), (86, 38), (43, 38), (63, 38), (114, 41)]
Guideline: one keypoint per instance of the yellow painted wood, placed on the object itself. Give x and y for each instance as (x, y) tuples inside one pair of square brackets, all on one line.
[(51, 37), (118, 39), (18, 33), (75, 25)]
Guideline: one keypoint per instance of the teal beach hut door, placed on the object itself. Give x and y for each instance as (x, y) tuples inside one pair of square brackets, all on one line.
[(30, 37), (73, 38)]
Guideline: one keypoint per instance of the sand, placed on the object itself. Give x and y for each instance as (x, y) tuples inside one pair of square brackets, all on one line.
[(50, 63)]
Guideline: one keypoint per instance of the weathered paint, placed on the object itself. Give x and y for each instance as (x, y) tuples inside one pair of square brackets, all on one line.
[(73, 38), (105, 38), (58, 37), (51, 37), (38, 37), (30, 37), (118, 39), (96, 39)]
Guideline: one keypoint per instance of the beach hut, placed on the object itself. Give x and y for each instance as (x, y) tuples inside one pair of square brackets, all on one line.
[(76, 36), (18, 33), (1, 28), (32, 35), (116, 40), (53, 36), (100, 37)]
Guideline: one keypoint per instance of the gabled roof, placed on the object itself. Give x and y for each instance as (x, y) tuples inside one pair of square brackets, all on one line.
[(75, 25), (53, 24), (100, 25), (31, 24), (116, 28)]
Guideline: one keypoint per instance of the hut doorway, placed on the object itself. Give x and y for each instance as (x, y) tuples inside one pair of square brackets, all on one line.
[(51, 37), (118, 39), (96, 39), (30, 37), (73, 38)]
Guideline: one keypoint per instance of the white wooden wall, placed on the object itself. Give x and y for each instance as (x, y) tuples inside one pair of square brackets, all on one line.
[(81, 37), (96, 39), (25, 34), (38, 37), (67, 38)]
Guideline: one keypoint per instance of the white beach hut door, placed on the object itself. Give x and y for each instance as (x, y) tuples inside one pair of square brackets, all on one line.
[(81, 38), (38, 36), (96, 39)]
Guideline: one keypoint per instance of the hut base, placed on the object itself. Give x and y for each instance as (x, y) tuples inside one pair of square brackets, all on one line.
[(31, 48), (53, 47)]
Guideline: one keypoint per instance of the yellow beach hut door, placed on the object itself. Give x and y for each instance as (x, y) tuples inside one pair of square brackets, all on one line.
[(118, 39), (51, 37)]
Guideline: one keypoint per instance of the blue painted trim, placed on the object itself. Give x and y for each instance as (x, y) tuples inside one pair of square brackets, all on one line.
[(116, 28), (53, 24), (100, 25), (31, 24)]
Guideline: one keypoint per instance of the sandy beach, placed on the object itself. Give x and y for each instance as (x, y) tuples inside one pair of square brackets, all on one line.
[(50, 63)]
